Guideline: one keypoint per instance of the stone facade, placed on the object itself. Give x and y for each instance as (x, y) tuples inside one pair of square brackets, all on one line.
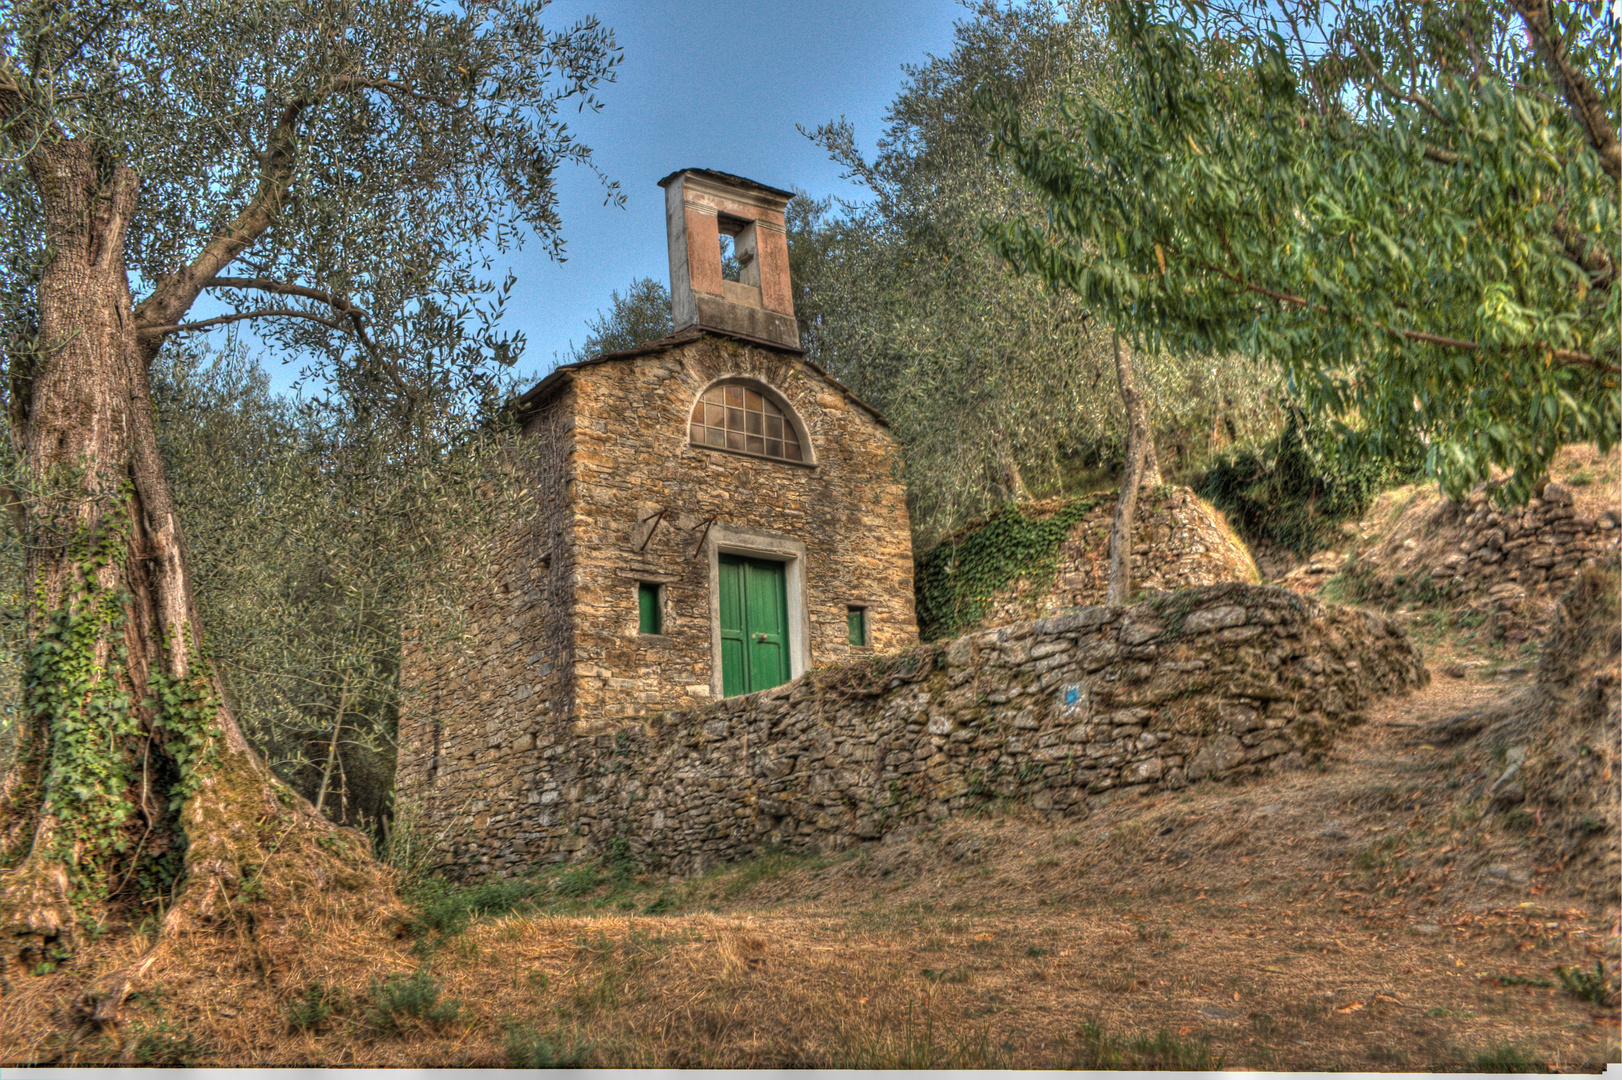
[(1202, 684), (1179, 541), (624, 499)]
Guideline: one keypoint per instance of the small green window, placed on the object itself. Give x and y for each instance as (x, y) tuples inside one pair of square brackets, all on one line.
[(856, 622), (649, 618)]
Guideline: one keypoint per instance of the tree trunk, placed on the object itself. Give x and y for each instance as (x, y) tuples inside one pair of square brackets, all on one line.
[(131, 782), (1139, 448), (332, 746), (1013, 483)]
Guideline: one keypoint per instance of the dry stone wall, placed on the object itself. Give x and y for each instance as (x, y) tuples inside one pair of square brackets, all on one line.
[(1179, 541), (1064, 712), (1513, 561)]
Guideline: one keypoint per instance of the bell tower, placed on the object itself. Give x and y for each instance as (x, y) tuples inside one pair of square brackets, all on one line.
[(701, 206)]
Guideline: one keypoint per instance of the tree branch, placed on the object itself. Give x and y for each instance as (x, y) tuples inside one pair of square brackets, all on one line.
[(1567, 356), (159, 331), (1581, 98), (161, 311), (14, 110), (355, 315)]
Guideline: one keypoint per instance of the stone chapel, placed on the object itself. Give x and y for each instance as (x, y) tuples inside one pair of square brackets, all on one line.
[(714, 515)]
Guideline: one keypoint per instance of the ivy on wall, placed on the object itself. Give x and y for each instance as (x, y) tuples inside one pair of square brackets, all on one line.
[(956, 580)]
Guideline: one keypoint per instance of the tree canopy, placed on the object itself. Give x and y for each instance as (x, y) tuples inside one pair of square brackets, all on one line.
[(344, 175), (642, 314), (1411, 207), (992, 381)]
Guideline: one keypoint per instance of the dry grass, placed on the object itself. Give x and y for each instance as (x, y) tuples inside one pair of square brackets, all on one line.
[(1218, 926)]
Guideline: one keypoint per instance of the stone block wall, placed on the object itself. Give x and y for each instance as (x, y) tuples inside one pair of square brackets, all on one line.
[(1514, 561), (1194, 685), (1178, 541)]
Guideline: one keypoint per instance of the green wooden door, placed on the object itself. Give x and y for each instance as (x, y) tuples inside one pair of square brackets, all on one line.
[(754, 625)]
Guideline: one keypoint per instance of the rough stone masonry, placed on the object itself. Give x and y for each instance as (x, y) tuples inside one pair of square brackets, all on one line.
[(1065, 712)]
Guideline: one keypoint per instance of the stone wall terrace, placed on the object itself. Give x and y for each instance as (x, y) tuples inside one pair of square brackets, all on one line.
[(1191, 686)]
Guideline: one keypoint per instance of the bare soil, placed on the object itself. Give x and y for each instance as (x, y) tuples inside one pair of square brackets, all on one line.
[(1365, 916)]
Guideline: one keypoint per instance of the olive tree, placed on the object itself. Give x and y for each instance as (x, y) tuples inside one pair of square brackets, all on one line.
[(320, 530), (642, 314), (990, 378), (341, 174), (1413, 208)]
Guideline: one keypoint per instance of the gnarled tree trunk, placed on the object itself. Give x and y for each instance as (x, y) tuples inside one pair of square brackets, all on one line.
[(130, 784)]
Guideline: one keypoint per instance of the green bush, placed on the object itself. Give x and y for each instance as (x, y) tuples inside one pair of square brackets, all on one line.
[(165, 1045), (312, 1010), (530, 1049), (1504, 1058), (579, 881), (1097, 1049), (1294, 490), (415, 997), (1593, 987), (446, 909)]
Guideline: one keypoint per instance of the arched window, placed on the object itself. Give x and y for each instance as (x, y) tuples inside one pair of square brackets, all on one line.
[(733, 416)]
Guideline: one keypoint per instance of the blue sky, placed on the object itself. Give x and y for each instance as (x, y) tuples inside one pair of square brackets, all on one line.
[(716, 84)]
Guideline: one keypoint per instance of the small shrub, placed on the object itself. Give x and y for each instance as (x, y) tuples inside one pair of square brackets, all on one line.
[(165, 1045), (1100, 1050), (312, 1010), (531, 1049), (1504, 1058), (1295, 490), (400, 998), (446, 910), (621, 863), (578, 881), (1592, 987)]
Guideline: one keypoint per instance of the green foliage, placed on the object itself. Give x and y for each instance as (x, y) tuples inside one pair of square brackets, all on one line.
[(1098, 1049), (1296, 489), (1591, 986), (990, 380), (314, 528), (312, 1011), (399, 999), (444, 909), (165, 1045), (73, 688), (1412, 208), (184, 710), (579, 880), (957, 579), (528, 1048), (641, 315), (1504, 1058)]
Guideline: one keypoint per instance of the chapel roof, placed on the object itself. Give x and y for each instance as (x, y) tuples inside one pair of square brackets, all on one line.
[(559, 376)]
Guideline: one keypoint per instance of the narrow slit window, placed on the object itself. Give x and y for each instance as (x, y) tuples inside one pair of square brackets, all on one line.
[(856, 623), (650, 619)]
